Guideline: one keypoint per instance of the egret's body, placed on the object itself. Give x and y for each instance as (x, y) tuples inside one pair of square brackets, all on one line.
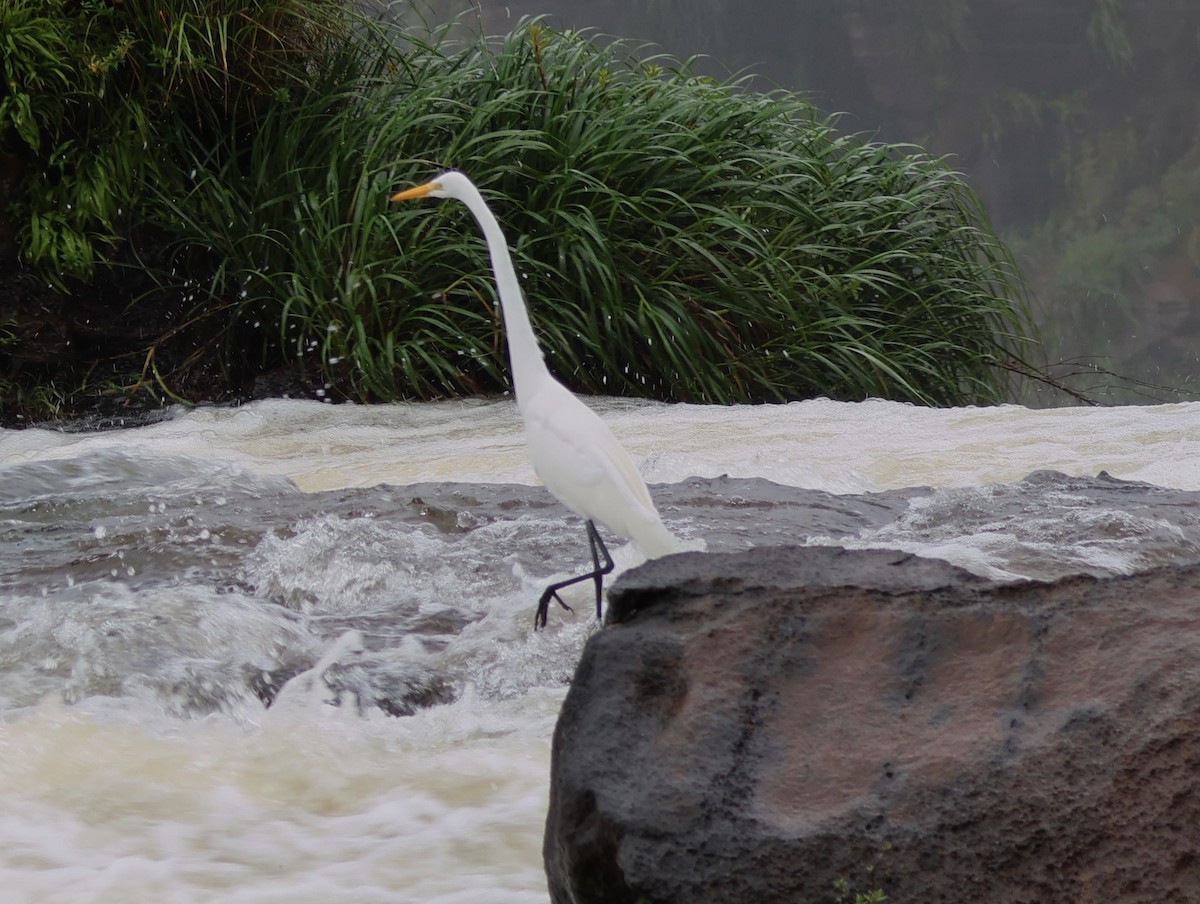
[(573, 452)]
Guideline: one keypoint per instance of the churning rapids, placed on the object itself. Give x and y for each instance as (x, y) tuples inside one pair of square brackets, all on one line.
[(284, 653)]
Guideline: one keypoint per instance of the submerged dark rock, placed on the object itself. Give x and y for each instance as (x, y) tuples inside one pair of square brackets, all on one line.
[(777, 724)]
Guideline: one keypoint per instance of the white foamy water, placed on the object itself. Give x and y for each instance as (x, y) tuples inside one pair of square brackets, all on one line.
[(113, 790), (835, 446)]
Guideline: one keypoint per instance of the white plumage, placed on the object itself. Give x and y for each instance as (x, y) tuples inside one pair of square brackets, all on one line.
[(572, 449)]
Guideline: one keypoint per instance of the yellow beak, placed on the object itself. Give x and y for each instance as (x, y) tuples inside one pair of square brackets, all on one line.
[(419, 191)]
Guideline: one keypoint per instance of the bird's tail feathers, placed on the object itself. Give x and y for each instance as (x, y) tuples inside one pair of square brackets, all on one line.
[(655, 540)]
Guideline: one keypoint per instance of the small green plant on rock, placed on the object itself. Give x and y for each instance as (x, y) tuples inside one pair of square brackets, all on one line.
[(846, 895), (845, 892)]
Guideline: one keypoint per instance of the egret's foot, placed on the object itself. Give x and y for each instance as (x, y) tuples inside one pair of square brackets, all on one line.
[(543, 609)]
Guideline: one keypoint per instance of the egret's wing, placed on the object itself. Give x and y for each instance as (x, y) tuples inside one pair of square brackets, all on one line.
[(576, 455)]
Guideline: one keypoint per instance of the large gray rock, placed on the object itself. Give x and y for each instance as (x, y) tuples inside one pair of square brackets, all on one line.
[(763, 726)]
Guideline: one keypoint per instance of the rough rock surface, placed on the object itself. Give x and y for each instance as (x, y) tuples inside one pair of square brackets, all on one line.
[(759, 726)]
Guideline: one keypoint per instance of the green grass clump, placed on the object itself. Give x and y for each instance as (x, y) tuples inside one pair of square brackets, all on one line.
[(697, 242), (88, 90), (678, 238)]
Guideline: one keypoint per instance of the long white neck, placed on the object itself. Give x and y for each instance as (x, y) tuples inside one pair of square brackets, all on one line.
[(524, 353)]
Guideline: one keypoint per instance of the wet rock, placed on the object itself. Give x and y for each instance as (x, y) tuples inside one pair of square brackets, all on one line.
[(806, 724)]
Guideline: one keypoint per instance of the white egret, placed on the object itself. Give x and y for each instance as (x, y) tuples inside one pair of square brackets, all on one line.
[(573, 452)]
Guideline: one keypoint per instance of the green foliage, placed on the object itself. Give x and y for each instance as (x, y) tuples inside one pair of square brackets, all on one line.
[(694, 241), (293, 222), (24, 404), (677, 237), (88, 87), (845, 891), (48, 70), (1062, 112), (846, 895)]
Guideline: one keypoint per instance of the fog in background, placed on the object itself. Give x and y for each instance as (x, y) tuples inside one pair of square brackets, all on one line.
[(1076, 121)]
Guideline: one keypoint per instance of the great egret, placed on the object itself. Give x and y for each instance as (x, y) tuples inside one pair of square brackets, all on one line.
[(573, 451)]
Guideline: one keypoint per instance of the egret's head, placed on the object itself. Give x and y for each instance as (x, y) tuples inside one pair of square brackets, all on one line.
[(447, 185)]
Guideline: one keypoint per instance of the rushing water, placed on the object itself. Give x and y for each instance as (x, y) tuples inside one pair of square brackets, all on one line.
[(370, 572)]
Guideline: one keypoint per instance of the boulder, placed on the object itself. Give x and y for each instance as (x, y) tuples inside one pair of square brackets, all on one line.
[(812, 724)]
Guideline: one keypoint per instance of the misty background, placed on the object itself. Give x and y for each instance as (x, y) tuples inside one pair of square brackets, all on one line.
[(1076, 121)]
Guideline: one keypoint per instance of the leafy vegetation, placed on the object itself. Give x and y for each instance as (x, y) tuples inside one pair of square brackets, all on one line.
[(86, 89), (845, 895), (677, 237), (845, 891), (1076, 121)]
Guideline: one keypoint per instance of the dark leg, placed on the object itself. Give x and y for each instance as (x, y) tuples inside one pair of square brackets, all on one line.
[(597, 574)]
